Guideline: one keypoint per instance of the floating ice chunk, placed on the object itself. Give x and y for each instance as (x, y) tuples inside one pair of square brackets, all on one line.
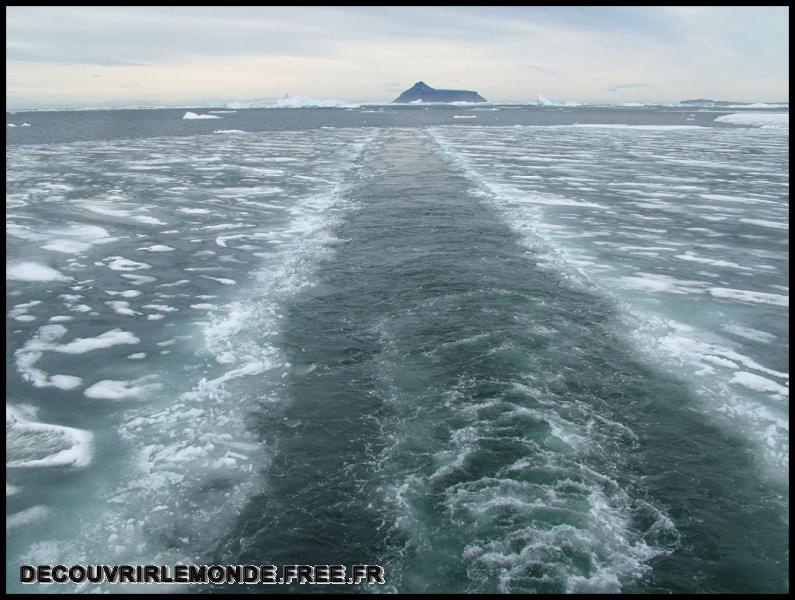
[(225, 226), (33, 444), (137, 356), (77, 238), (229, 131), (160, 307), (124, 293), (114, 337), (194, 211), (465, 116), (112, 389), (122, 307), (64, 382), (11, 125), (192, 116), (67, 246), (148, 220), (221, 280), (139, 279), (33, 271), (119, 263), (157, 248), (175, 283), (25, 125)]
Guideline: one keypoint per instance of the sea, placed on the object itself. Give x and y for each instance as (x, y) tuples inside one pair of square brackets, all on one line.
[(490, 348)]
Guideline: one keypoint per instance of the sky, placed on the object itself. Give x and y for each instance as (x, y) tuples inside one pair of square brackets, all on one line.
[(82, 56)]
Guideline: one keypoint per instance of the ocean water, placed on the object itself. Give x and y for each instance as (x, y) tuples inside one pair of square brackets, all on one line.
[(493, 349)]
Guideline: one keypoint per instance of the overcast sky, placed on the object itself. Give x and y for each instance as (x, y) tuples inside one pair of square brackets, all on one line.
[(85, 55)]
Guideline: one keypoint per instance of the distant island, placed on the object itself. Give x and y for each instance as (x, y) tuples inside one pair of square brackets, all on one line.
[(422, 92)]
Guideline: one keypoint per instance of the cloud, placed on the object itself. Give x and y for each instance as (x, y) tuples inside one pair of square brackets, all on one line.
[(506, 53), (626, 86), (544, 70)]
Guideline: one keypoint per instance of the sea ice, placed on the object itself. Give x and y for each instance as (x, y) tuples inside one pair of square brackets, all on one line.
[(32, 271)]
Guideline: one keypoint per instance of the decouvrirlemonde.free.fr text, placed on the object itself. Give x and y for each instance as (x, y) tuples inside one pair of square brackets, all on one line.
[(203, 574)]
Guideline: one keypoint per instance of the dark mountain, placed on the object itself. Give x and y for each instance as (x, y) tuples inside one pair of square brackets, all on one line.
[(422, 91)]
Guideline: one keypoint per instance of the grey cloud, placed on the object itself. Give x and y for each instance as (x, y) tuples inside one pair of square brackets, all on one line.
[(626, 86)]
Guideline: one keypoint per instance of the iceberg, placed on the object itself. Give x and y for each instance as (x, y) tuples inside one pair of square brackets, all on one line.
[(544, 101), (301, 102), (290, 102), (759, 119), (192, 116)]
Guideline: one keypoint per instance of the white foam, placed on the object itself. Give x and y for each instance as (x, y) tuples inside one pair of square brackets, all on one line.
[(26, 517), (638, 127), (33, 271), (653, 282), (749, 333)]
